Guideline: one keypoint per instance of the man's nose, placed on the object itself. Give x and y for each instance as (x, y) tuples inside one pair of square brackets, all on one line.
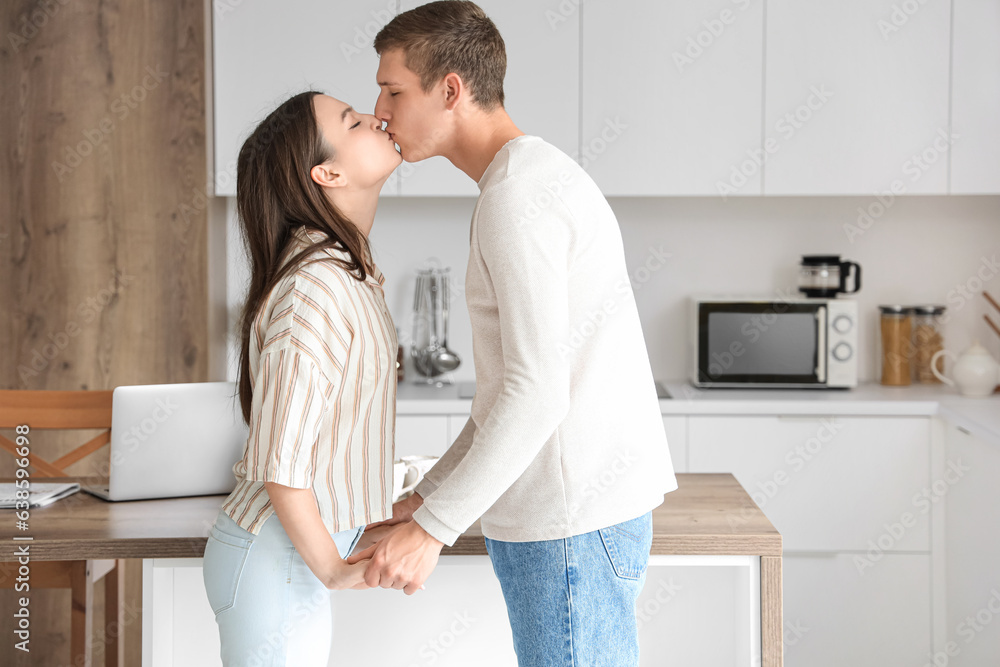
[(380, 111)]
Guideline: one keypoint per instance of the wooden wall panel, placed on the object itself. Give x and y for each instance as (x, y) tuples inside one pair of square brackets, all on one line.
[(104, 248), (103, 233)]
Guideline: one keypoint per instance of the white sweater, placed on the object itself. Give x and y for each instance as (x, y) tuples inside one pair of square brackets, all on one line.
[(566, 435)]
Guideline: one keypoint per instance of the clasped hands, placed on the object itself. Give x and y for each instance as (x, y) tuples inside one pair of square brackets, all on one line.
[(400, 554)]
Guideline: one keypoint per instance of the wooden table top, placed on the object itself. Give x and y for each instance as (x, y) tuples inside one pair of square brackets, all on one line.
[(708, 514)]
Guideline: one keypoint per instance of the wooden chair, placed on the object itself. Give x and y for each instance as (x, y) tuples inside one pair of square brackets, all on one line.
[(51, 410)]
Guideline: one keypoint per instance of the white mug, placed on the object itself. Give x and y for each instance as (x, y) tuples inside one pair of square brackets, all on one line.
[(407, 473)]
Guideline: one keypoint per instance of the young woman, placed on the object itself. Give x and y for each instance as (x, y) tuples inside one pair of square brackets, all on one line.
[(317, 383)]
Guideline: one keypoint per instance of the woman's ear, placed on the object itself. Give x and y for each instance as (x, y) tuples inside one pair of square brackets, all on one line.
[(325, 176)]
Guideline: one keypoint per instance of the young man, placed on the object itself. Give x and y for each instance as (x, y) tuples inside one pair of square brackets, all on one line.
[(565, 454)]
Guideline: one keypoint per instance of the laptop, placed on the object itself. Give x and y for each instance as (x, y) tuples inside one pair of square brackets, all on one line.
[(173, 440)]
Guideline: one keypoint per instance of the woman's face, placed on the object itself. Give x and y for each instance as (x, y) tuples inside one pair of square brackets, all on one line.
[(364, 155)]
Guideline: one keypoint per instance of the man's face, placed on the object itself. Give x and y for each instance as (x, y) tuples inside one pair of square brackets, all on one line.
[(414, 119)]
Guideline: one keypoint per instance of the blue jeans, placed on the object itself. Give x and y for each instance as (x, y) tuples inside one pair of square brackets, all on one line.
[(571, 602), (270, 607)]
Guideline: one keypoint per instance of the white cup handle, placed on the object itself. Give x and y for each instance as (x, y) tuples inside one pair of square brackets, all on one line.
[(412, 486), (937, 374)]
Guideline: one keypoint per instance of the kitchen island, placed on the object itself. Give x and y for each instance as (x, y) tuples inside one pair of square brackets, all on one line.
[(709, 522)]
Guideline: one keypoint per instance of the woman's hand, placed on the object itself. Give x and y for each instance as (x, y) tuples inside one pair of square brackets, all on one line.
[(344, 576), (299, 516), (401, 512)]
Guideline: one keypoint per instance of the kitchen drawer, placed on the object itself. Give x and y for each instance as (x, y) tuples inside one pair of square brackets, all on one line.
[(972, 550), (421, 435), (835, 615), (827, 483)]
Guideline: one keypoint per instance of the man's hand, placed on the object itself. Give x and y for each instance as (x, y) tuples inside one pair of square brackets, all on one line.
[(402, 560), (401, 511), (372, 535)]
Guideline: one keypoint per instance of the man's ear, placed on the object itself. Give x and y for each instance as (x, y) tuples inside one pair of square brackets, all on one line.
[(454, 89), (325, 176)]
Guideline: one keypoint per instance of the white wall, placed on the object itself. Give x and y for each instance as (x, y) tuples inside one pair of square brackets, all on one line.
[(919, 250)]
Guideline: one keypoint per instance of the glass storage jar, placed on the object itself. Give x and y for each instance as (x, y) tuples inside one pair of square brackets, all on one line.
[(927, 341), (897, 347)]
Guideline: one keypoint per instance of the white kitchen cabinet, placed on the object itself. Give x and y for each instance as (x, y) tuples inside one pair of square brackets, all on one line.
[(675, 427), (264, 52), (833, 483), (178, 626), (671, 96), (972, 546), (836, 616), (975, 97), (461, 619), (856, 94), (691, 612), (541, 88), (421, 435)]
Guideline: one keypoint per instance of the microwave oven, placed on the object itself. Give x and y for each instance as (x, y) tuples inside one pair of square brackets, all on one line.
[(775, 342)]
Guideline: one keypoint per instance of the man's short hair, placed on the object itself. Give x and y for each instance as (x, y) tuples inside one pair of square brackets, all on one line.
[(450, 36)]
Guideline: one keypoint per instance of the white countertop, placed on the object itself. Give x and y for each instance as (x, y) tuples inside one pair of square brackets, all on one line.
[(979, 416)]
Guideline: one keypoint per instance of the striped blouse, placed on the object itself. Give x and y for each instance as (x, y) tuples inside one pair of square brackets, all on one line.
[(323, 372)]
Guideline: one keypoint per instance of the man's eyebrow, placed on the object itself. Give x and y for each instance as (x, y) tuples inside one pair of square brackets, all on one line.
[(343, 114), (387, 83)]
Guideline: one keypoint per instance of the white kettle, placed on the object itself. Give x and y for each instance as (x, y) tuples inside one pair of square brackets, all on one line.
[(976, 372)]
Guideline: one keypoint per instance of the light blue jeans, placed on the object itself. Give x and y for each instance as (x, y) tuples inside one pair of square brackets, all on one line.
[(271, 609), (571, 602)]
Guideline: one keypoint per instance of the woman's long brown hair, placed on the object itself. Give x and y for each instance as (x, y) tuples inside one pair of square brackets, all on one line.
[(275, 195)]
